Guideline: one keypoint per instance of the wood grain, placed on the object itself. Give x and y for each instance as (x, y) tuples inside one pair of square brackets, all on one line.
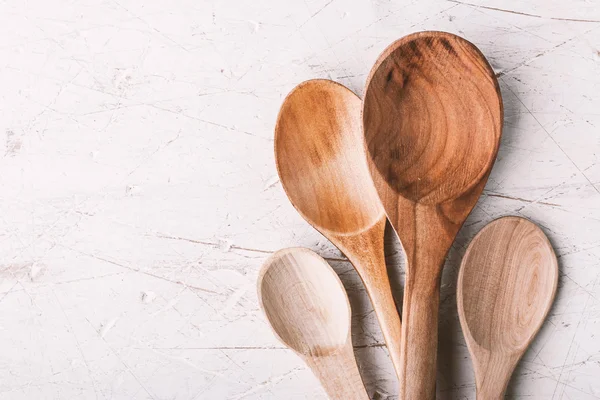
[(309, 312), (321, 164), (506, 285), (432, 119)]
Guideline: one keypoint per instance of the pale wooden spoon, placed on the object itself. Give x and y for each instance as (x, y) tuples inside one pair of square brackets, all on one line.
[(506, 285), (432, 119), (321, 164), (309, 312)]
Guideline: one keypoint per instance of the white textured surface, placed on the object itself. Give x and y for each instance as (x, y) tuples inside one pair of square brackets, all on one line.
[(138, 192)]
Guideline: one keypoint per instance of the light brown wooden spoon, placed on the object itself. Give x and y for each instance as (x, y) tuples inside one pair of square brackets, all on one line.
[(309, 312), (506, 285), (321, 164), (432, 120)]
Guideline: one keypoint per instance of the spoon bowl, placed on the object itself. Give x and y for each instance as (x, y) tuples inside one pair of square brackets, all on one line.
[(313, 301), (506, 285), (322, 167), (428, 106), (432, 120), (306, 305), (319, 158)]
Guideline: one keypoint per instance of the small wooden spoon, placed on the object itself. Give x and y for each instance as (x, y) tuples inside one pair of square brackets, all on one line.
[(506, 285), (432, 119), (309, 312), (321, 163)]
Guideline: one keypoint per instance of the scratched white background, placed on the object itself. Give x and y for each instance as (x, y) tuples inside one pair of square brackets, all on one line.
[(139, 196)]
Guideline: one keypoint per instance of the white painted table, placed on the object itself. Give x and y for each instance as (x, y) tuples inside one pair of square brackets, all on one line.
[(139, 197)]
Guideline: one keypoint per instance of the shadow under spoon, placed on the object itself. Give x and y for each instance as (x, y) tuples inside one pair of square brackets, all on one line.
[(308, 309), (321, 163), (506, 285)]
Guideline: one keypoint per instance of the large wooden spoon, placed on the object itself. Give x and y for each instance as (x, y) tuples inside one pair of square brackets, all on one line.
[(320, 160), (309, 312), (432, 119), (506, 286)]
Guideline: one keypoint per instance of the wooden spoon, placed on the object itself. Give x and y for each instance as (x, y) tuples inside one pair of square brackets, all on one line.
[(506, 286), (309, 312), (321, 163), (432, 119)]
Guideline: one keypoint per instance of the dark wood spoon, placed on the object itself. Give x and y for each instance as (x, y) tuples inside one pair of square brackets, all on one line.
[(432, 120)]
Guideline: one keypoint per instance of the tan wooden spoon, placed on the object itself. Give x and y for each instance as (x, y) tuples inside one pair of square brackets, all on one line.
[(321, 164), (309, 312), (506, 285), (432, 120)]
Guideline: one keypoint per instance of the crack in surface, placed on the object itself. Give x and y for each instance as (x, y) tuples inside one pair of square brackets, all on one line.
[(524, 13)]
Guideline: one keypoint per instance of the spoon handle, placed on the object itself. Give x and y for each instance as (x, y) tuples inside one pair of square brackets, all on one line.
[(366, 252), (426, 239), (339, 375), (425, 255), (492, 374), (380, 293), (419, 341)]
